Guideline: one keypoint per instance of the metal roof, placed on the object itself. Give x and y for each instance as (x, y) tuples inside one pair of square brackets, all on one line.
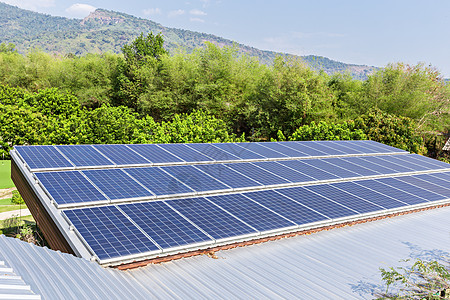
[(341, 263)]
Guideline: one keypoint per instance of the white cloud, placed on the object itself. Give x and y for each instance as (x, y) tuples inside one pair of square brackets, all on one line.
[(197, 12), (176, 13), (197, 20), (34, 5), (80, 10), (152, 11)]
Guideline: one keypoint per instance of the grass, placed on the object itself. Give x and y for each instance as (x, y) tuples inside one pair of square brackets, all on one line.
[(5, 174), (6, 205), (11, 225), (5, 201)]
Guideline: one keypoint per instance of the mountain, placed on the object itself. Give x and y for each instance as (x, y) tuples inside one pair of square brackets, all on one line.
[(105, 30)]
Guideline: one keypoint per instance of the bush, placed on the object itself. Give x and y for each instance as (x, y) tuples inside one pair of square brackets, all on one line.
[(17, 198)]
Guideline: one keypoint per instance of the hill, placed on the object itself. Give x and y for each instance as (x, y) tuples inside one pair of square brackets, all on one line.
[(105, 30)]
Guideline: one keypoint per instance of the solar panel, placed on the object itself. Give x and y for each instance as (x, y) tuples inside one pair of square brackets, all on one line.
[(213, 152), (158, 181), (344, 198), (302, 147), (121, 155), (414, 180), (258, 174), (228, 176), (411, 161), (368, 194), (210, 218), (84, 155), (317, 202), (250, 212), (283, 171), (417, 191), (185, 153), (286, 207), (371, 166), (438, 164), (330, 168), (116, 184), (195, 179), (69, 187), (309, 170), (381, 148), (283, 149), (238, 151), (435, 179), (322, 147), (261, 150), (403, 165), (155, 153), (355, 145), (108, 232), (165, 226), (42, 157), (380, 161), (391, 192), (346, 163), (342, 147)]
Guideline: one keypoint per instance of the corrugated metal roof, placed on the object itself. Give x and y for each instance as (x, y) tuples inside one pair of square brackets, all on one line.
[(338, 264), (447, 145)]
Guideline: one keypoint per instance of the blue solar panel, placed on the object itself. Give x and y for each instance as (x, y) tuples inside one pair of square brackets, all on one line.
[(438, 164), (337, 145), (344, 198), (415, 163), (355, 145), (108, 232), (165, 226), (322, 147), (284, 149), (308, 170), (185, 153), (84, 155), (42, 157), (238, 151), (412, 189), (155, 153), (391, 192), (121, 154), (445, 175), (380, 161), (69, 187), (228, 176), (213, 152), (210, 218), (381, 148), (286, 207), (283, 171), (302, 147), (116, 184), (195, 179), (335, 170), (158, 181), (346, 163), (396, 161), (261, 150), (257, 174), (437, 180), (250, 212), (370, 195), (414, 180), (318, 203), (370, 165)]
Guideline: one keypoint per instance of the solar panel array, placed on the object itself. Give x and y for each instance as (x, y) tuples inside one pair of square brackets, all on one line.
[(131, 201)]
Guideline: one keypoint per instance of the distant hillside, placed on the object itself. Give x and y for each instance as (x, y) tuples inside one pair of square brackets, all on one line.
[(105, 30)]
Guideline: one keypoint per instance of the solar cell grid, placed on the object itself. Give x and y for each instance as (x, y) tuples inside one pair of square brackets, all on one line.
[(155, 153), (250, 212), (283, 171), (84, 155), (346, 163), (238, 151), (438, 164), (185, 153), (165, 226), (283, 149), (157, 181), (322, 146), (388, 163), (195, 179), (308, 170), (414, 180), (302, 147), (417, 191), (260, 149), (407, 165), (409, 160), (108, 232), (330, 168), (69, 187), (342, 147), (213, 152), (316, 202), (344, 198), (356, 145), (42, 157), (371, 166), (228, 176), (381, 148), (435, 179), (391, 192), (210, 218), (121, 155), (286, 207), (258, 174), (116, 184)]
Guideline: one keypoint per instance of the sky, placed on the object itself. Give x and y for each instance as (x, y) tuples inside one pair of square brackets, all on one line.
[(371, 33)]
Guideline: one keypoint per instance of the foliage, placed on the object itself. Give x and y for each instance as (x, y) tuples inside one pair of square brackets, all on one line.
[(328, 131), (422, 280), (17, 198)]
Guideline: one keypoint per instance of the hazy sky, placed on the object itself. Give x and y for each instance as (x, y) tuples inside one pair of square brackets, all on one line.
[(360, 32)]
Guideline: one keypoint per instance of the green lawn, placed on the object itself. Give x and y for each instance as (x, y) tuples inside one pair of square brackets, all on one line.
[(5, 174), (5, 201)]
